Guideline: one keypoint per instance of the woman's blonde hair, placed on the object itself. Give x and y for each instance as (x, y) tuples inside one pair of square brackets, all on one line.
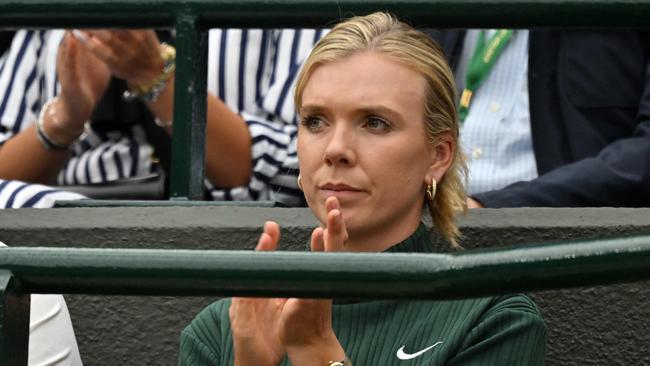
[(383, 33)]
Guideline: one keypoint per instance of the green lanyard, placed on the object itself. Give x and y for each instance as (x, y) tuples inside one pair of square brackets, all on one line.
[(480, 65)]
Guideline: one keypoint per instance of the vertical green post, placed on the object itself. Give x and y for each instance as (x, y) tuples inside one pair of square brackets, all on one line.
[(190, 92), (14, 322)]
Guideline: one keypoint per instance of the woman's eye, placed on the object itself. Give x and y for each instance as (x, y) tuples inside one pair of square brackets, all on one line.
[(377, 124), (312, 123)]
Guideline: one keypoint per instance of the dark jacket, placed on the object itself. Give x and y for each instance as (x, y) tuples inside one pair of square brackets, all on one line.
[(590, 119)]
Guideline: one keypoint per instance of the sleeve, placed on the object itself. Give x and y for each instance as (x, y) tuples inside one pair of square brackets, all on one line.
[(290, 48), (27, 79), (16, 194), (200, 342), (618, 177), (193, 352), (254, 70), (275, 166), (51, 337), (510, 333)]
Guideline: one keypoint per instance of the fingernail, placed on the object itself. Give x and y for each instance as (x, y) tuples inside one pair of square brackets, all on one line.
[(81, 36)]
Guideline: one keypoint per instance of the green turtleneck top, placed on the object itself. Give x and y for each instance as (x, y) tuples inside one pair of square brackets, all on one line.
[(502, 330)]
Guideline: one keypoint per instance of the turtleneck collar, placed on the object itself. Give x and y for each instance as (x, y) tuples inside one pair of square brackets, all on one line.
[(418, 242)]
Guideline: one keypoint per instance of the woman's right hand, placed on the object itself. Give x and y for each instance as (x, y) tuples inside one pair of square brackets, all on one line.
[(306, 332), (130, 54), (254, 321), (83, 79)]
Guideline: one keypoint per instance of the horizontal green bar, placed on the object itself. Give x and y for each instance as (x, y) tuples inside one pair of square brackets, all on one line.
[(344, 275), (306, 13), (178, 203)]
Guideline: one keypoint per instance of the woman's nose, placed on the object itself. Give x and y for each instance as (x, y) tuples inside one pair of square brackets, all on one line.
[(341, 148)]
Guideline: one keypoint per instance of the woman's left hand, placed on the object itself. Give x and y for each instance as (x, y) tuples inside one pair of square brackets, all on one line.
[(306, 324), (254, 321), (132, 55)]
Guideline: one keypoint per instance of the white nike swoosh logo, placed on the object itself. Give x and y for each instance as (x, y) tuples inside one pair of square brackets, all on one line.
[(408, 356)]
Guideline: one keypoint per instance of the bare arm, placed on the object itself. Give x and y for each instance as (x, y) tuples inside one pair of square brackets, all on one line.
[(83, 80), (228, 142), (24, 158)]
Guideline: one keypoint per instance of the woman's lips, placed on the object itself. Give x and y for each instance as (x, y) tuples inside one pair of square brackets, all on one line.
[(340, 190)]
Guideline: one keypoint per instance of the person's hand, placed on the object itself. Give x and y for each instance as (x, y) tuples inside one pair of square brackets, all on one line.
[(306, 324), (472, 203), (255, 321), (83, 79), (132, 55), (265, 329)]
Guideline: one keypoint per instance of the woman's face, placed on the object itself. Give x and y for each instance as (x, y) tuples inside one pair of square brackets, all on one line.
[(362, 139)]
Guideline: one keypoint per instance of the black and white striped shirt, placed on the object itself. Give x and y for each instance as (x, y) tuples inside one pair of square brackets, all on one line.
[(16, 194), (253, 71)]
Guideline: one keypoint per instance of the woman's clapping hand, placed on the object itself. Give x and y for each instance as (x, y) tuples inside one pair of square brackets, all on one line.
[(306, 330), (132, 55), (85, 62), (83, 79), (265, 330), (254, 321)]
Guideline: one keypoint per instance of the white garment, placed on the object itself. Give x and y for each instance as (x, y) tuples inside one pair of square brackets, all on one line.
[(51, 338)]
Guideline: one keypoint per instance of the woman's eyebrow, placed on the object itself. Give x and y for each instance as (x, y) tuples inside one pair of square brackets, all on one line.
[(311, 109), (379, 109), (382, 110)]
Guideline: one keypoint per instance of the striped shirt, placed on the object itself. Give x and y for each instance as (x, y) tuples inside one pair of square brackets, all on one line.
[(15, 194), (253, 71)]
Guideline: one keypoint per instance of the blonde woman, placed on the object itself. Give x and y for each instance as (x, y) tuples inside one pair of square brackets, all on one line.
[(378, 140)]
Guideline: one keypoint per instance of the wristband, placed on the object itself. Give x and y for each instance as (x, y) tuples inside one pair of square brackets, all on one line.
[(47, 142), (160, 123), (150, 92)]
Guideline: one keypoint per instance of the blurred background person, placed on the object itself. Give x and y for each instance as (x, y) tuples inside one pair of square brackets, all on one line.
[(553, 117), (52, 82)]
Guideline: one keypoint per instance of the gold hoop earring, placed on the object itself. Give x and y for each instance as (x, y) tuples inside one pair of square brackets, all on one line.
[(299, 182), (431, 189)]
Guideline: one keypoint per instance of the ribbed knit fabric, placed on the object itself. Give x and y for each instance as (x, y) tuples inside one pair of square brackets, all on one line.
[(504, 330)]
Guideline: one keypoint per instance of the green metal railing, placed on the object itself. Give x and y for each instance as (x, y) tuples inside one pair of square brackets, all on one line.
[(348, 275), (192, 18), (300, 274)]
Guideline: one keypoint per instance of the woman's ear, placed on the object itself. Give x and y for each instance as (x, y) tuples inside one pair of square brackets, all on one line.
[(444, 149)]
